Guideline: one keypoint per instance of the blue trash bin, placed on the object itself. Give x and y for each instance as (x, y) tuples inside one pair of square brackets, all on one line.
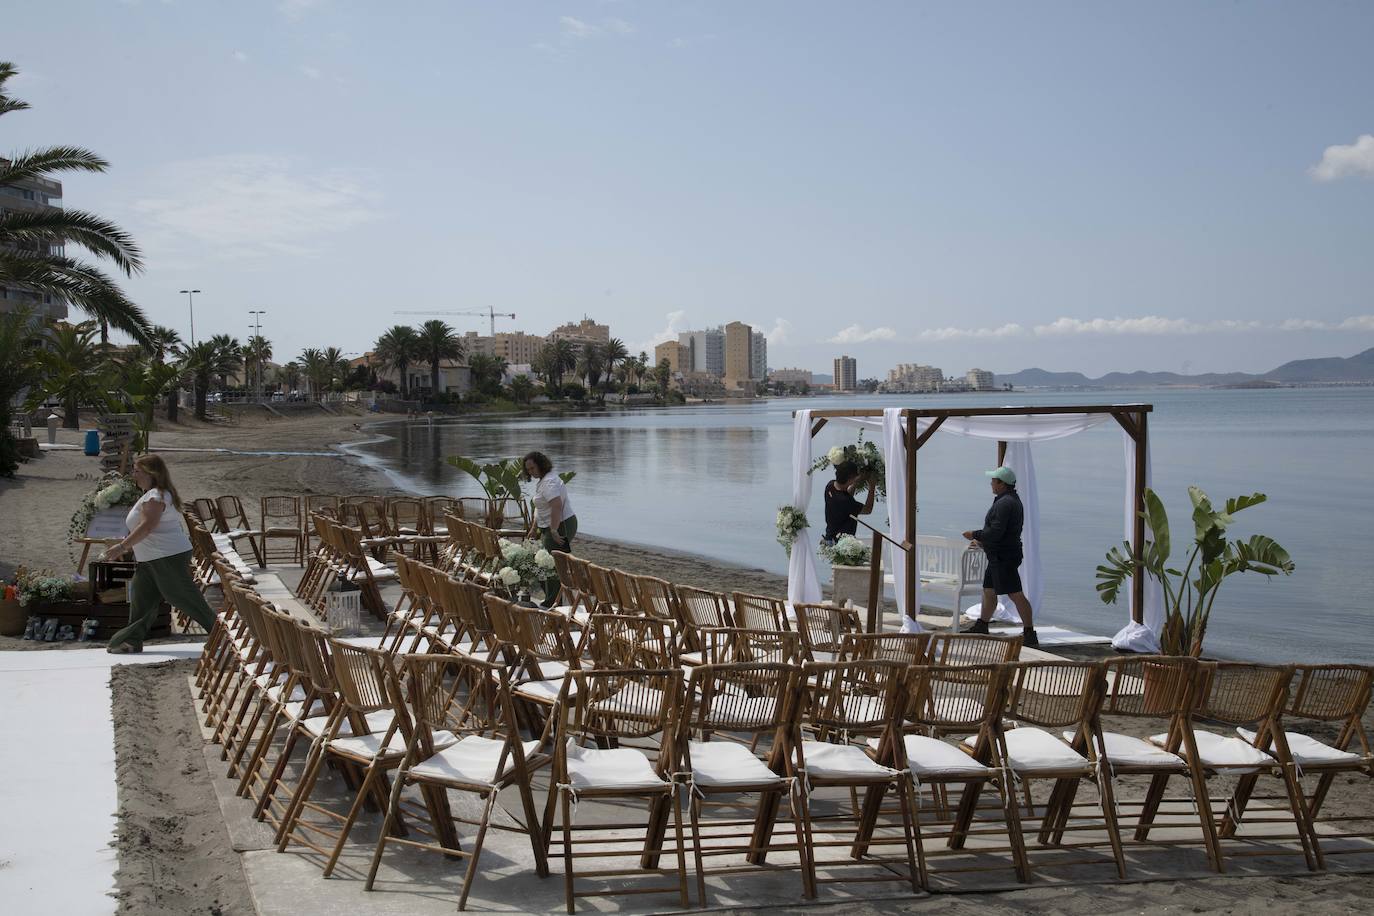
[(92, 442)]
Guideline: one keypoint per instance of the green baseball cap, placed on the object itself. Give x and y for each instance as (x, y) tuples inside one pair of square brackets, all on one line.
[(1004, 474)]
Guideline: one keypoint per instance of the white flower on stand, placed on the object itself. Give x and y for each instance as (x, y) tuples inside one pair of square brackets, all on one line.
[(543, 559), (509, 576), (835, 455)]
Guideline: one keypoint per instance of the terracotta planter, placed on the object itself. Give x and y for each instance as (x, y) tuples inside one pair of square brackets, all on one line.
[(1160, 696), (850, 583), (13, 616)]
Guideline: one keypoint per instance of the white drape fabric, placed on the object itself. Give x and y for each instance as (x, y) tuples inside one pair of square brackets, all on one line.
[(803, 585), (1136, 637), (894, 456), (1018, 431)]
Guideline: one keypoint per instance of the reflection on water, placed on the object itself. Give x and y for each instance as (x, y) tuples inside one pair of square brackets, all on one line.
[(709, 480)]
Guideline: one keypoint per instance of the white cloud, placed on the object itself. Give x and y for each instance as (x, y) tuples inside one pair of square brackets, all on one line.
[(678, 43), (676, 324), (1006, 330), (311, 72), (576, 28), (1346, 161), (619, 26), (240, 56), (297, 9), (779, 334), (856, 334), (237, 207)]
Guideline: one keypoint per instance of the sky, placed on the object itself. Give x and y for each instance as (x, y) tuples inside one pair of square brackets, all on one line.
[(1163, 186)]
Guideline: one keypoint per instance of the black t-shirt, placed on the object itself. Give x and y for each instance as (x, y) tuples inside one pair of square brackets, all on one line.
[(840, 506)]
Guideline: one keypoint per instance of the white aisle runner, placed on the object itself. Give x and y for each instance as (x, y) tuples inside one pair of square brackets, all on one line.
[(57, 778)]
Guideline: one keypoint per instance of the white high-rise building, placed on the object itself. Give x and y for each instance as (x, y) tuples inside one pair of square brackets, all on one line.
[(705, 350), (758, 356), (981, 380)]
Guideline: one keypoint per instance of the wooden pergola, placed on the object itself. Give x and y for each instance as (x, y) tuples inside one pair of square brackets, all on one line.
[(1133, 418)]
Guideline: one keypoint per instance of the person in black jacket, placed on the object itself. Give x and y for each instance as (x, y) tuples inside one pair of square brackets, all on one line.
[(840, 504), (1000, 538)]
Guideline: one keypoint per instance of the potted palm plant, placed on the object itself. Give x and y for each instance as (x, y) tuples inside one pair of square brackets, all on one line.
[(1191, 592)]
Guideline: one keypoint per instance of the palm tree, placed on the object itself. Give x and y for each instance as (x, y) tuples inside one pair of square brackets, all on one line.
[(256, 353), (438, 342), (32, 242), (228, 357), (205, 362), (521, 389), (290, 375), (591, 364), (613, 352), (487, 372), (639, 366), (335, 364), (74, 365), (17, 372), (315, 370), (162, 342), (397, 349), (562, 359)]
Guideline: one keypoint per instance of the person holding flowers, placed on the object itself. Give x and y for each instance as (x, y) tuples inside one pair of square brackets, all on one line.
[(554, 519), (840, 504)]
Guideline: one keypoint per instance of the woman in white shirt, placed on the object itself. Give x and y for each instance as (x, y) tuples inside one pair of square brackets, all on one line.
[(162, 547), (555, 523)]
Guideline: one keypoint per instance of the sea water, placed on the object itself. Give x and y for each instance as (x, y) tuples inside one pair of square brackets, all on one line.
[(709, 479)]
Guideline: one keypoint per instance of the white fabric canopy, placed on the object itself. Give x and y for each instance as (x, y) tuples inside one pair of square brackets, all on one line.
[(1135, 637), (1018, 431)]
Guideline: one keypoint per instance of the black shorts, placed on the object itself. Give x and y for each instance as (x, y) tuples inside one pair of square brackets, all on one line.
[(1003, 575)]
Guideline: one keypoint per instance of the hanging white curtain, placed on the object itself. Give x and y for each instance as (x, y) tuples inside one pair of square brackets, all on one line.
[(803, 585), (894, 456), (1136, 637)]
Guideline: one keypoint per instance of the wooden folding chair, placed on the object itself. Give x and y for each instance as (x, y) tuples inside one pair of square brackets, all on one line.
[(1323, 697), (861, 701), (973, 649), (470, 699), (599, 711), (657, 598), (823, 627), (907, 648), (209, 516), (237, 526), (699, 610), (730, 710), (1244, 695), (759, 612), (282, 520), (614, 641)]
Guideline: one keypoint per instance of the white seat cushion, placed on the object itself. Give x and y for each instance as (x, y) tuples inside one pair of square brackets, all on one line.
[(692, 658), (617, 768), (930, 757), (1308, 751), (840, 761), (1033, 750), (472, 760), (1125, 750), (366, 642), (1219, 752), (543, 691), (367, 746), (378, 721), (725, 763)]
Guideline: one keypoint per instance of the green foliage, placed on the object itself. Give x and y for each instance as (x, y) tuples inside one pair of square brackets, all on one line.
[(1190, 593), (397, 349), (143, 383), (74, 367), (17, 372), (500, 479)]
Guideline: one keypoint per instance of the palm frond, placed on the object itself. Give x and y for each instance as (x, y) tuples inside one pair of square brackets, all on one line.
[(85, 286), (51, 226), (35, 163)]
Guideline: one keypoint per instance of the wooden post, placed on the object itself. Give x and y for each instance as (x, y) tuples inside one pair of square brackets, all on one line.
[(1142, 439), (875, 583), (1001, 453), (912, 569)]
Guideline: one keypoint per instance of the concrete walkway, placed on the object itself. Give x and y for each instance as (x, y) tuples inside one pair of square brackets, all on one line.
[(57, 778)]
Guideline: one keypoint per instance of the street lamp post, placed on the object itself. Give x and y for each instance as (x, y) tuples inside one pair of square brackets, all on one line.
[(191, 304), (257, 332)]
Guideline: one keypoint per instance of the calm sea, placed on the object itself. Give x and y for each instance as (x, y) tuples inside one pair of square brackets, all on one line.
[(708, 480)]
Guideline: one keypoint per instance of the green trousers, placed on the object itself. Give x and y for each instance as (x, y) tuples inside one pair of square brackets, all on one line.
[(567, 529), (164, 579)]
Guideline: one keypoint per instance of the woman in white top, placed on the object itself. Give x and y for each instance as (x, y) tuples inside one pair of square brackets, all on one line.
[(554, 520), (162, 547)]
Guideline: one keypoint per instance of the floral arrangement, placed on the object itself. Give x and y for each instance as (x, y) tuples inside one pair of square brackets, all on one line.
[(112, 489), (847, 551), (43, 587), (526, 565), (790, 524), (865, 456)]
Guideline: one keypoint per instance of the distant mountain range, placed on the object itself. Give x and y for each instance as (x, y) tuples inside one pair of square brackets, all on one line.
[(1357, 368)]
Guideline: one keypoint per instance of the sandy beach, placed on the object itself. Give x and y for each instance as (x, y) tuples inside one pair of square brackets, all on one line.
[(174, 853)]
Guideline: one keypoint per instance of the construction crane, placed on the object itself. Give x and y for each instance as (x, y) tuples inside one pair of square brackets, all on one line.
[(489, 312)]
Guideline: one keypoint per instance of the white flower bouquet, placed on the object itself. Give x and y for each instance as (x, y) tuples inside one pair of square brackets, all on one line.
[(524, 568), (112, 490), (847, 551), (865, 456), (790, 524), (43, 587)]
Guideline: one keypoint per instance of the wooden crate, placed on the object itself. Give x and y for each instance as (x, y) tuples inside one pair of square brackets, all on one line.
[(110, 618)]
